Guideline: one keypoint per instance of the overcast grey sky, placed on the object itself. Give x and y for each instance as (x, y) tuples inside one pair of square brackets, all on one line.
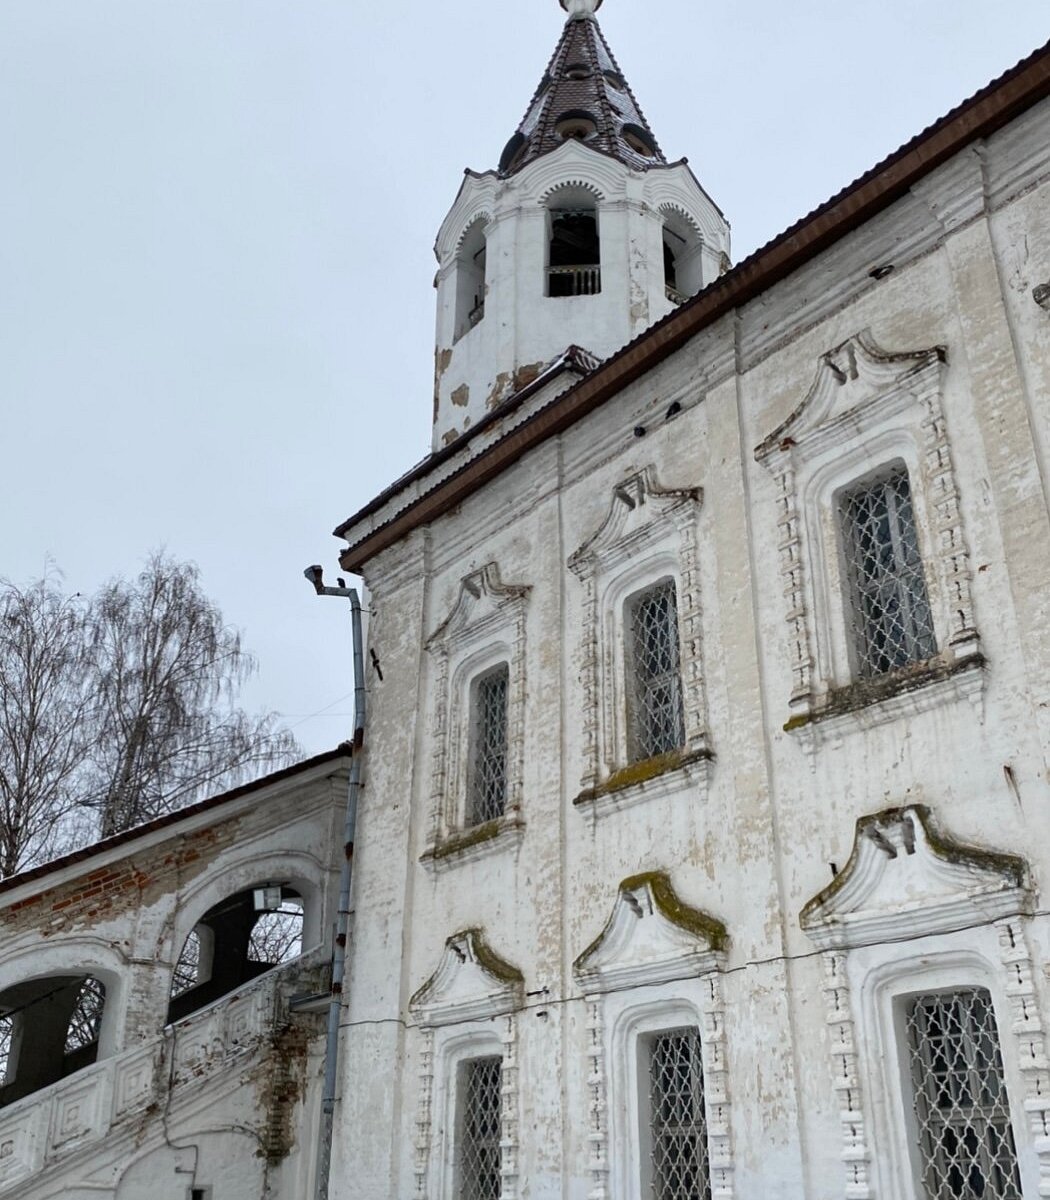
[(216, 230)]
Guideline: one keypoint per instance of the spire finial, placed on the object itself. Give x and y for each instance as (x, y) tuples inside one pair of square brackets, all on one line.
[(579, 9)]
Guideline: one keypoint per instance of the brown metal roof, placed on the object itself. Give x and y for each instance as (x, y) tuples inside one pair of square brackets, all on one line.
[(344, 750), (583, 80), (982, 114)]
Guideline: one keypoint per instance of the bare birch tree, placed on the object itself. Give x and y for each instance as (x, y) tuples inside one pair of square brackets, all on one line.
[(118, 708), (45, 706), (167, 671)]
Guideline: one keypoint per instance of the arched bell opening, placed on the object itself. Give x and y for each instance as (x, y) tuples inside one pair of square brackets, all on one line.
[(49, 1028), (235, 941), (470, 279), (683, 258), (573, 243)]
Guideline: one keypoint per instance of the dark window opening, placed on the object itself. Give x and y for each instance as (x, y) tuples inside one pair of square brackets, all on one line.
[(487, 764), (670, 267), (889, 610), (655, 712), (49, 1028), (577, 123), (237, 940), (470, 280), (683, 258), (574, 255), (638, 140)]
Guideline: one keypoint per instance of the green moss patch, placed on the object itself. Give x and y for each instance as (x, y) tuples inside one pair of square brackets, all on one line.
[(641, 772)]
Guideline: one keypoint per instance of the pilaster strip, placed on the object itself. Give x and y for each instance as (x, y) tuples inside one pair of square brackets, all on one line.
[(843, 1051), (1027, 1029)]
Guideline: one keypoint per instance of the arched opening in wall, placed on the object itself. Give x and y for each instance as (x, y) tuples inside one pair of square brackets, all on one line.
[(683, 258), (49, 1028), (470, 279), (573, 244), (235, 941)]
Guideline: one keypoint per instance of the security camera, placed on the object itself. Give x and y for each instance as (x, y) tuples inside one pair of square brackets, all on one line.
[(315, 574)]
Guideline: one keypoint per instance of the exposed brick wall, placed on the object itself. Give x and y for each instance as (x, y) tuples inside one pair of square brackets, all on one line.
[(129, 884)]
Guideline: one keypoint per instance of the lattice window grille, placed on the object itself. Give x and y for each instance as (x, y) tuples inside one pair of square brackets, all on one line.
[(478, 1160), (678, 1154), (487, 773), (656, 721), (890, 616), (965, 1139)]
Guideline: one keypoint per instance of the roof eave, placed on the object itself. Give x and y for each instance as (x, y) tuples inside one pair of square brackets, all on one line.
[(988, 110)]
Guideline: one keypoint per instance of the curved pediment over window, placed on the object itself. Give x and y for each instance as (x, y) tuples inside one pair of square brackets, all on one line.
[(471, 982), (850, 378), (904, 879), (638, 503), (483, 600), (651, 937)]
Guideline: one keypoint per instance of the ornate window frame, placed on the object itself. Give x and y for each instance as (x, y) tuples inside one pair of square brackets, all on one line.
[(656, 965), (866, 408), (649, 534), (914, 911), (486, 627), (467, 1009)]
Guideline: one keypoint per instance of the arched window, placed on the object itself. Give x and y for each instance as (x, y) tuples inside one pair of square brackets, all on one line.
[(188, 968), (573, 244), (277, 936), (683, 258), (236, 940), (470, 279), (49, 1028)]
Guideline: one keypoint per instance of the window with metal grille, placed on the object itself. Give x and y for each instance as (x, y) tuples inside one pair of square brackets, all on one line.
[(965, 1141), (678, 1155), (890, 612), (487, 769), (655, 720), (478, 1147)]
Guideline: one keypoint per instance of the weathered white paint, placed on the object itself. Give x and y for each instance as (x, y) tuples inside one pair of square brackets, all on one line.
[(813, 1105)]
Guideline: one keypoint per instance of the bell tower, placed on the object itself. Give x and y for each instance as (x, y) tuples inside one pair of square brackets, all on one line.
[(583, 235)]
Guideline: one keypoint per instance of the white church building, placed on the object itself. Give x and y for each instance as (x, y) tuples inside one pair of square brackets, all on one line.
[(703, 843)]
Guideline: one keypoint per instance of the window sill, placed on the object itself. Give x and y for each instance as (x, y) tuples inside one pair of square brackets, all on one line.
[(870, 703), (479, 841), (649, 779)]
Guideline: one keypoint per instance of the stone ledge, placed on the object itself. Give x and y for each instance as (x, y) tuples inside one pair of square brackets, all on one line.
[(905, 693), (649, 779), (479, 841)]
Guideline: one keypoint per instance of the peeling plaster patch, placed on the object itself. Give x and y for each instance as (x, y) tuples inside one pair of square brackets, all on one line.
[(122, 887), (508, 383), (449, 436), (442, 360), (461, 395)]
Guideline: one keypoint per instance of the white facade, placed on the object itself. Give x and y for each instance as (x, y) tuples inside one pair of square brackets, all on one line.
[(846, 836)]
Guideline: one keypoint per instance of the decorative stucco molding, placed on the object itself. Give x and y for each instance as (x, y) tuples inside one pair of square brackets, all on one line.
[(842, 1047), (487, 618), (424, 1113), (647, 529), (651, 937), (597, 1102), (1030, 1035), (904, 879), (866, 405), (471, 982)]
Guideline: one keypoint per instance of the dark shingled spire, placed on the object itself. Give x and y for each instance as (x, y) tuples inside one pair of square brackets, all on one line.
[(583, 95)]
